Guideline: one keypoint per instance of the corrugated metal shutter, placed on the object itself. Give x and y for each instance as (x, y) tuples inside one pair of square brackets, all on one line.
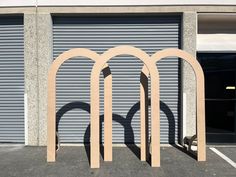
[(11, 79), (99, 34)]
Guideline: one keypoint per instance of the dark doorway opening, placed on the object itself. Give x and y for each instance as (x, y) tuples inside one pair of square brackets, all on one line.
[(220, 96)]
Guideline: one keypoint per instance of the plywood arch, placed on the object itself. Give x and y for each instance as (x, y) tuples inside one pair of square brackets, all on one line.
[(201, 155), (51, 130), (94, 92), (150, 67)]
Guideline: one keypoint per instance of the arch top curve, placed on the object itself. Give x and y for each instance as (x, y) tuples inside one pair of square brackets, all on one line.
[(76, 52), (123, 50), (173, 52)]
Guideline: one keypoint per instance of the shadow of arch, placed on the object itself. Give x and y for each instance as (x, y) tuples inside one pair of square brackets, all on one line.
[(51, 130), (170, 118), (129, 133), (64, 109), (171, 124), (165, 109), (69, 106), (117, 118)]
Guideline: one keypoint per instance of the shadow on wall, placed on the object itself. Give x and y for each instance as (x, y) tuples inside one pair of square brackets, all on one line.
[(125, 122)]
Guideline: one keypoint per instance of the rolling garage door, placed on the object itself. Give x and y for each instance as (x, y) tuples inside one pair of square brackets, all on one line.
[(11, 80), (99, 34)]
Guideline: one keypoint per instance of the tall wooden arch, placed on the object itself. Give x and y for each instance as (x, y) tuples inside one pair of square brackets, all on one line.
[(51, 125), (94, 93), (101, 65), (201, 155)]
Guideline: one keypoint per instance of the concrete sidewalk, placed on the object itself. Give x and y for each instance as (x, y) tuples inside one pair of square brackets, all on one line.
[(21, 161)]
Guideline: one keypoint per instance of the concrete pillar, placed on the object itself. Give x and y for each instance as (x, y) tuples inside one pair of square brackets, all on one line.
[(45, 58), (38, 57), (188, 82), (31, 79)]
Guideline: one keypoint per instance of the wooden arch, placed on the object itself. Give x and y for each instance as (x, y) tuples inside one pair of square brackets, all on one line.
[(51, 126), (201, 155), (94, 93)]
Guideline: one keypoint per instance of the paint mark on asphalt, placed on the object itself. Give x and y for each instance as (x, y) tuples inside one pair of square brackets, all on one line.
[(231, 162)]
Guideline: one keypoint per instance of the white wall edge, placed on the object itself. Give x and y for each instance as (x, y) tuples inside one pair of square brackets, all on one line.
[(184, 115), (15, 3), (216, 42), (26, 118)]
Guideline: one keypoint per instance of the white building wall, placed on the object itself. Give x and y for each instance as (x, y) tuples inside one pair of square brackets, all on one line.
[(216, 42), (216, 32), (8, 3)]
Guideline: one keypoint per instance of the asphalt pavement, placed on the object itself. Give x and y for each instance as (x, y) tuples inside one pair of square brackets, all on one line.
[(21, 161)]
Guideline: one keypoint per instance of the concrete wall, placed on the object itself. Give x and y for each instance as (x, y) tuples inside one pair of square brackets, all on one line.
[(45, 58), (31, 78), (38, 56), (188, 81)]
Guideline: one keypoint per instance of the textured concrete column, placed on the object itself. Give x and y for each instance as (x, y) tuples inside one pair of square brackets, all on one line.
[(45, 58), (188, 81), (31, 79)]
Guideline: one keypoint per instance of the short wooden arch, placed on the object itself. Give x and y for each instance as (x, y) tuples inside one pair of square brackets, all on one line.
[(51, 125), (201, 155), (94, 93)]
